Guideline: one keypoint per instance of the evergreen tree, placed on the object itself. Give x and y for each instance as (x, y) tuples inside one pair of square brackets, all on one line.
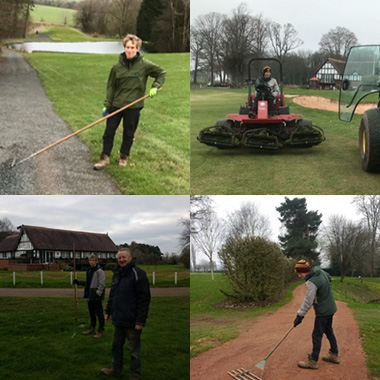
[(302, 226), (150, 10)]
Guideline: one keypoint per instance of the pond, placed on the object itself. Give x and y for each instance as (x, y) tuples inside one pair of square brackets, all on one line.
[(98, 47)]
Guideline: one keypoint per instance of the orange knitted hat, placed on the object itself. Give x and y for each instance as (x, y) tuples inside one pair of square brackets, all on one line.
[(302, 266)]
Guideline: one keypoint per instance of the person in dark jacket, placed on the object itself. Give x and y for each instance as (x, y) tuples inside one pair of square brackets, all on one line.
[(94, 290), (127, 83), (128, 305), (320, 296)]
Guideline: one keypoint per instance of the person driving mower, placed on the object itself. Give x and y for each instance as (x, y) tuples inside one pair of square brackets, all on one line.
[(266, 89)]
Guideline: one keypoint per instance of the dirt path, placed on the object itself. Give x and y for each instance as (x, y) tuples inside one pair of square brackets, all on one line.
[(28, 123), (58, 292), (253, 345), (317, 102)]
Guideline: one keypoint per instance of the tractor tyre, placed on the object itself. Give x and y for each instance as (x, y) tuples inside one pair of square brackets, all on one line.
[(369, 140)]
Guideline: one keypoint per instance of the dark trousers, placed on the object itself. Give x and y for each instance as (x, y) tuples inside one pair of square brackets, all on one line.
[(269, 99), (95, 309), (323, 325), (134, 343), (130, 118)]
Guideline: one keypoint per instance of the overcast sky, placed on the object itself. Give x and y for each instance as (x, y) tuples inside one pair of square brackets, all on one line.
[(311, 19), (144, 219)]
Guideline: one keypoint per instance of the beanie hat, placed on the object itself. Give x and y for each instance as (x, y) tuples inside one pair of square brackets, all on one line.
[(302, 266)]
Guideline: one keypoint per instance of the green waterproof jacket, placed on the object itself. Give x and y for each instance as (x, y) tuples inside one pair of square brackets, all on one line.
[(127, 81)]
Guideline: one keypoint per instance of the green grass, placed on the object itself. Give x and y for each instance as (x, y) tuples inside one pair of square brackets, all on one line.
[(76, 85), (164, 277), (212, 326), (38, 331), (54, 15), (65, 34), (333, 167)]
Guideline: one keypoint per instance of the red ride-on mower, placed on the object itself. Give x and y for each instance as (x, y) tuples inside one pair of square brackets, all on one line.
[(260, 129)]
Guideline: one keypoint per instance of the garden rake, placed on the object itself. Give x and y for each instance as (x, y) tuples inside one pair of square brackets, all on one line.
[(244, 374)]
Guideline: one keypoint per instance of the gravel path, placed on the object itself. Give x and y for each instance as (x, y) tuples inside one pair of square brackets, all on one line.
[(65, 292), (29, 123)]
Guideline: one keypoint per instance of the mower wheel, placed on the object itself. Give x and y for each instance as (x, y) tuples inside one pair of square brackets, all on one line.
[(369, 140)]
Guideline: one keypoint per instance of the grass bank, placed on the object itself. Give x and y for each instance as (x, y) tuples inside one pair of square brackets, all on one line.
[(159, 161), (164, 277), (39, 344), (54, 15), (333, 167), (211, 326)]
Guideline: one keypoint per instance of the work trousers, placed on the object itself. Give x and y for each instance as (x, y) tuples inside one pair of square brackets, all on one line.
[(323, 325), (134, 343), (95, 309), (269, 99), (131, 117)]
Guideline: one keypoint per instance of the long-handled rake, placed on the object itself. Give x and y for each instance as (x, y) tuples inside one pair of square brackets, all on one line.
[(244, 374), (14, 163), (75, 295)]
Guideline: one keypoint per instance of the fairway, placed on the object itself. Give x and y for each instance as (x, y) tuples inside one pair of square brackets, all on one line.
[(333, 167), (38, 340)]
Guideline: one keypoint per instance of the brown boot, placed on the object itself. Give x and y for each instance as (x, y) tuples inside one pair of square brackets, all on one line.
[(332, 358), (90, 331), (309, 363), (102, 163), (112, 371), (123, 160), (99, 334)]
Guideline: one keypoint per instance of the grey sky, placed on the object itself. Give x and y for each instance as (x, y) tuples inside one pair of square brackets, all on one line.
[(311, 19), (142, 218)]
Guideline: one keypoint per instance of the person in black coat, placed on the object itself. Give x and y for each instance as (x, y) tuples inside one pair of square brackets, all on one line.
[(128, 305)]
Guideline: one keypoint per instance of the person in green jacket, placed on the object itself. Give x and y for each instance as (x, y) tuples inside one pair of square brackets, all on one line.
[(320, 296), (127, 83)]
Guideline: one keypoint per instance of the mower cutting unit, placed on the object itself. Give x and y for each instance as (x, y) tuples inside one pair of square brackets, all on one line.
[(260, 129)]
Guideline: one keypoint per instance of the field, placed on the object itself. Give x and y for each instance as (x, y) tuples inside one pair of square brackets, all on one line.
[(38, 340), (211, 326), (54, 15), (333, 167), (164, 277), (159, 161)]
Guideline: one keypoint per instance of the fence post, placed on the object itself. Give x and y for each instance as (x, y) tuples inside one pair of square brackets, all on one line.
[(42, 278), (154, 278), (14, 278), (71, 278), (175, 278)]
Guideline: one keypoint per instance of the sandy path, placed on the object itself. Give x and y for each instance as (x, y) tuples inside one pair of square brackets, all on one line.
[(253, 345), (320, 103)]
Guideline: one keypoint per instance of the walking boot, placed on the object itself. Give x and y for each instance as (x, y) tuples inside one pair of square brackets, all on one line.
[(99, 334), (123, 160), (102, 163), (90, 331), (309, 363), (112, 371), (134, 376), (332, 358)]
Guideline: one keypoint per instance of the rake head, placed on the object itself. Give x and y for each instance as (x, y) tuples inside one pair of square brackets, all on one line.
[(243, 374)]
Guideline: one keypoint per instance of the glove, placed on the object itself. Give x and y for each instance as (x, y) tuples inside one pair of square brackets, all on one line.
[(153, 91), (298, 320), (105, 112), (75, 282)]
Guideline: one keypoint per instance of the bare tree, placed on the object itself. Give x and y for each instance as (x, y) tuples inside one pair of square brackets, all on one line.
[(6, 228), (347, 245), (247, 222), (209, 238), (283, 39), (337, 42), (260, 36), (369, 207), (196, 47), (210, 26)]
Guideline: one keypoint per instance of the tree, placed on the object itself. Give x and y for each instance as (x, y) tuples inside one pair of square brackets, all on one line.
[(369, 207), (347, 245), (14, 17), (283, 39), (247, 222), (6, 228), (302, 226), (255, 269), (337, 42), (184, 242), (196, 47), (150, 10), (209, 237)]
